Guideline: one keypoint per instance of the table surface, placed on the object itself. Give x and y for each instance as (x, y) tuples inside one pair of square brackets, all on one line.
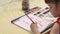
[(12, 10)]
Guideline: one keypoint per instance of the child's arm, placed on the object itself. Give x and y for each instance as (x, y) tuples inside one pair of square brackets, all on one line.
[(34, 28), (55, 29)]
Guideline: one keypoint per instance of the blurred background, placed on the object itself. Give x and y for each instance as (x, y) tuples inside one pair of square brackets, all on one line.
[(11, 9)]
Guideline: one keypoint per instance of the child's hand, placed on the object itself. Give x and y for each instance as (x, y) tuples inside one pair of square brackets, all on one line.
[(34, 28)]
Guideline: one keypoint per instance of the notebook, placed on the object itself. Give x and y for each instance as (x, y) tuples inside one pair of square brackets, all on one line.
[(25, 22)]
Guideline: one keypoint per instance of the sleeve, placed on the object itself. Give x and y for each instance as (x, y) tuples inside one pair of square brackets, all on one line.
[(58, 20)]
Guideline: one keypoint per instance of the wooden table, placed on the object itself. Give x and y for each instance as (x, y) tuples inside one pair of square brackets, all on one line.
[(11, 11)]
